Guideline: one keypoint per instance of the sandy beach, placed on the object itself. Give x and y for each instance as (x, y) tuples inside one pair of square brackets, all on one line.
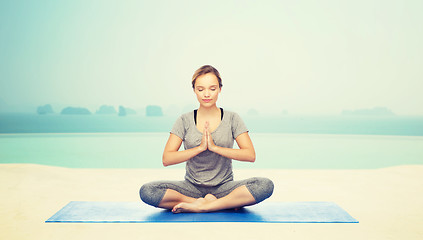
[(387, 202)]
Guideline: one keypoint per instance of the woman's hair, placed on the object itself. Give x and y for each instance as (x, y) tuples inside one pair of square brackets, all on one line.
[(204, 70)]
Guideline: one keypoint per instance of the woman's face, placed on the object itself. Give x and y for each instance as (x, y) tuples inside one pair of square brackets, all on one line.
[(207, 89)]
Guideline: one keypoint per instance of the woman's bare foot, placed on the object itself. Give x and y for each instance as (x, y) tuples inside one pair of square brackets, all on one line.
[(210, 197), (186, 207), (189, 207), (196, 206)]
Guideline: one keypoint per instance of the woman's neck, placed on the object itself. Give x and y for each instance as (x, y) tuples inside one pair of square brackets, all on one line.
[(208, 111)]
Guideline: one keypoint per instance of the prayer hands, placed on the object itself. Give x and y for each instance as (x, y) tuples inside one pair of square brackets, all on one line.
[(203, 144), (207, 141), (210, 144)]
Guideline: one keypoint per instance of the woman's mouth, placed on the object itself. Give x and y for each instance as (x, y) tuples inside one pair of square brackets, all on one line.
[(206, 100)]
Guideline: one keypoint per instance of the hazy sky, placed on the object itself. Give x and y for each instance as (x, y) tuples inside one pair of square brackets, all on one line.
[(301, 56)]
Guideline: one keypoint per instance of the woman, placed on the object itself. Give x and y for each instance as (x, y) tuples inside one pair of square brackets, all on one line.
[(208, 135)]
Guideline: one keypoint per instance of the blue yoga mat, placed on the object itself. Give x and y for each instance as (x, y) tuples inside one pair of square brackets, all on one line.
[(134, 212)]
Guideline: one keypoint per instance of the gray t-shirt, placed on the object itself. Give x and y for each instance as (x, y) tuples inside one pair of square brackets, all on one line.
[(209, 168)]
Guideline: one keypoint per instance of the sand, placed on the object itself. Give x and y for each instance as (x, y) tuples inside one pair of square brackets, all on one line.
[(388, 203)]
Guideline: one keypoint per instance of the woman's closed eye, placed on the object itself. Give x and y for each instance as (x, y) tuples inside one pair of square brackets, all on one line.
[(213, 89)]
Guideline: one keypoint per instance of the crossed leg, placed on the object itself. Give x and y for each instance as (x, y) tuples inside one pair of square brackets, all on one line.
[(178, 202), (182, 196)]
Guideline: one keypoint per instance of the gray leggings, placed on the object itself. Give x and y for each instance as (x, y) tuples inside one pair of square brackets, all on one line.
[(152, 193)]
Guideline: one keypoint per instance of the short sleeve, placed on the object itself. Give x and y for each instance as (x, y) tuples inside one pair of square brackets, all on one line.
[(238, 126), (178, 128)]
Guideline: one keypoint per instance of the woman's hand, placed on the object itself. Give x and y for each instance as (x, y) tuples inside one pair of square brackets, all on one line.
[(203, 144), (207, 141), (210, 144)]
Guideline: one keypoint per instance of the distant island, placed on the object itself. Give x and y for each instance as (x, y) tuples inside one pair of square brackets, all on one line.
[(130, 111), (153, 111), (75, 111), (105, 109), (123, 111), (377, 111), (46, 109)]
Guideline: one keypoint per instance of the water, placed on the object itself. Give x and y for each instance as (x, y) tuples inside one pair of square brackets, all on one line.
[(360, 125), (273, 150)]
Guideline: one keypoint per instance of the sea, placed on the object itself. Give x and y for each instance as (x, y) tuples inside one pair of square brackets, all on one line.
[(282, 142)]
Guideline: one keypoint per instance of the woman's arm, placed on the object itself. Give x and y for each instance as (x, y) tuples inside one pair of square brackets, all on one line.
[(245, 152), (172, 156)]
